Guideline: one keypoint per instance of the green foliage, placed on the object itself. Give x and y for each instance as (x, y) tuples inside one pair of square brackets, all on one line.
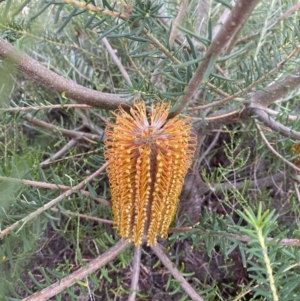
[(271, 265), (236, 248)]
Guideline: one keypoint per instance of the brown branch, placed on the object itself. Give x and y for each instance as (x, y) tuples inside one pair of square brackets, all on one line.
[(57, 83), (240, 13), (262, 116), (175, 273), (291, 10), (256, 107), (277, 90), (81, 273), (251, 86)]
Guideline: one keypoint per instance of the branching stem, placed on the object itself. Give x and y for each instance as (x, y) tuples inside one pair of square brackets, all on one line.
[(237, 17), (175, 273), (81, 273), (51, 186), (42, 209), (251, 86), (273, 150)]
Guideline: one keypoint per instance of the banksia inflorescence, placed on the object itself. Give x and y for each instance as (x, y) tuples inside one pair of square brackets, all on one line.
[(148, 159)]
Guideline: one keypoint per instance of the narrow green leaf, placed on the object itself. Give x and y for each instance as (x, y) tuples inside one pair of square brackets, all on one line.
[(67, 20), (234, 54), (98, 23), (106, 4), (46, 277), (105, 275), (20, 7), (211, 65), (191, 44), (138, 39), (90, 20), (141, 47), (225, 3), (144, 54), (42, 9), (206, 42), (188, 63), (118, 26), (24, 286), (173, 79), (55, 273), (216, 75), (37, 283)]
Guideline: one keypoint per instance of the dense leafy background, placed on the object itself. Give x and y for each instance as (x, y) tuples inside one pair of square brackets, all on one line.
[(238, 193)]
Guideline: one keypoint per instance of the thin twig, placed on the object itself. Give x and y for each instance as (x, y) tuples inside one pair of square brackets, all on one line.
[(88, 122), (135, 272), (202, 18), (285, 15), (117, 60), (259, 102), (177, 21), (52, 186), (160, 46), (42, 209), (296, 186), (38, 108), (175, 273), (96, 9), (84, 216), (43, 39), (146, 32), (60, 153), (273, 150), (173, 35), (68, 133), (81, 273)]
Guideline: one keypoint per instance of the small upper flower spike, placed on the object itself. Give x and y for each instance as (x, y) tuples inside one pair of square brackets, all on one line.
[(148, 159)]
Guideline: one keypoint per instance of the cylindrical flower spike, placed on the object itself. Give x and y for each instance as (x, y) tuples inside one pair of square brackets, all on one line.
[(148, 159)]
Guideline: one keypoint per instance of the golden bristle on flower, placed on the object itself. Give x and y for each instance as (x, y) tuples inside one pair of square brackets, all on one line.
[(148, 158)]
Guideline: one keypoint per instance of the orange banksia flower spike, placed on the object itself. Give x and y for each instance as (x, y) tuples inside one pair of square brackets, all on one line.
[(148, 158)]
